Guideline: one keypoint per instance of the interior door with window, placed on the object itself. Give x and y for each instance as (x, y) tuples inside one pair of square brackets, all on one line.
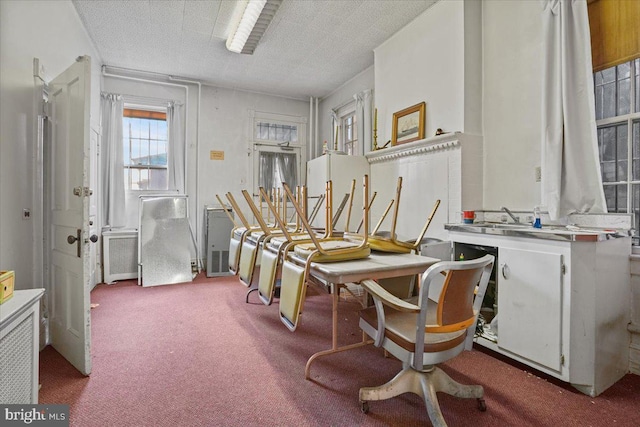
[(278, 153), (67, 214), (274, 165)]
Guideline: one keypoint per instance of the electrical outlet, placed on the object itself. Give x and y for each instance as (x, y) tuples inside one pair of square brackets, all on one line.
[(538, 173)]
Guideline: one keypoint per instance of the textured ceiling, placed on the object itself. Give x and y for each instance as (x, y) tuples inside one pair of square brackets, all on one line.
[(310, 48)]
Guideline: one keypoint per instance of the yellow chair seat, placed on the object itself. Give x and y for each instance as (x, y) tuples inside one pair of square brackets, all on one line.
[(304, 250), (382, 244)]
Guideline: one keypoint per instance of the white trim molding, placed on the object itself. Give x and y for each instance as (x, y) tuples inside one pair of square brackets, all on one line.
[(436, 143)]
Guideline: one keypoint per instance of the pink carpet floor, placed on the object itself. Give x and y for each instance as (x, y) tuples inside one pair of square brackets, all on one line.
[(197, 355)]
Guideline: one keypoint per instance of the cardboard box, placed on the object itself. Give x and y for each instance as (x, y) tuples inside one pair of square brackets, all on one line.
[(7, 278)]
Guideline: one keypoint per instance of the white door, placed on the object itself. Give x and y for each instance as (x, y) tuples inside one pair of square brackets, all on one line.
[(272, 166), (530, 305), (67, 210)]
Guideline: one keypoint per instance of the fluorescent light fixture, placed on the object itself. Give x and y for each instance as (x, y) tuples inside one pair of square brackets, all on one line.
[(238, 38)]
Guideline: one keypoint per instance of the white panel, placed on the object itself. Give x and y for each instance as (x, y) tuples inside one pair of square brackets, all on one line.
[(431, 51), (512, 41), (530, 305)]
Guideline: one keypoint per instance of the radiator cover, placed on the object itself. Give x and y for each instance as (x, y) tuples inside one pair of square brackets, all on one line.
[(120, 249)]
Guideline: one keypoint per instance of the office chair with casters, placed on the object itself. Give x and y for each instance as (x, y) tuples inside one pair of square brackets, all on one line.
[(424, 333)]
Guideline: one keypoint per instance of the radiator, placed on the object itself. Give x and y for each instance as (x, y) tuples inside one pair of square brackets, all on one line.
[(218, 230), (120, 249)]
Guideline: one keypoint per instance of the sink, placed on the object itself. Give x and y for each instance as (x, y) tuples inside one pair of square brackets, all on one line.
[(549, 232), (500, 226)]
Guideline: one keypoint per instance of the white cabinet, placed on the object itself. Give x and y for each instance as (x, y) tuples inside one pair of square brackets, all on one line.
[(563, 306), (530, 305), (19, 342), (341, 169)]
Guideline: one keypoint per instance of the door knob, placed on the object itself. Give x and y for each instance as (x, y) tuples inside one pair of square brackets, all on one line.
[(93, 238), (76, 239)]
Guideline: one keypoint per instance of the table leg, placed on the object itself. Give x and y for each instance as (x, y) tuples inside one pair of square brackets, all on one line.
[(334, 338)]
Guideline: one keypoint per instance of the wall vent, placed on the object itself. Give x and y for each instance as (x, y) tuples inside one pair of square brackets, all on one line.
[(120, 249)]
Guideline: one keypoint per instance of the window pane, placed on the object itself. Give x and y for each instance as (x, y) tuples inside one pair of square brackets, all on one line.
[(636, 151), (608, 143), (624, 96), (608, 171), (624, 71), (637, 72), (609, 100), (126, 149), (621, 131), (609, 75), (622, 198), (158, 179), (636, 210), (599, 96), (610, 197), (598, 78), (134, 128), (616, 197)]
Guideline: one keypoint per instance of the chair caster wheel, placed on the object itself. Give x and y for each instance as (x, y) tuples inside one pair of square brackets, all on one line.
[(482, 406), (364, 407)]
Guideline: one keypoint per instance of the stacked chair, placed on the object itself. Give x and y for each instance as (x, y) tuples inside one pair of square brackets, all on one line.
[(329, 249), (388, 242), (275, 247), (238, 233)]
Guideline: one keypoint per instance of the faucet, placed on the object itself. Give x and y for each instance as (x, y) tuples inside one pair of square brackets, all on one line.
[(513, 217)]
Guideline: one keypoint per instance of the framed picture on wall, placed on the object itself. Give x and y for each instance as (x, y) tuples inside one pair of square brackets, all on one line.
[(408, 124)]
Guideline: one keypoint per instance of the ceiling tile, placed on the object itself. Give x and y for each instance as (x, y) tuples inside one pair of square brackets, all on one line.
[(310, 48)]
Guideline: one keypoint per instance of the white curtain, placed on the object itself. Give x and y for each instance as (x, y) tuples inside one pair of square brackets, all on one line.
[(335, 123), (571, 178), (363, 120), (112, 163), (176, 157)]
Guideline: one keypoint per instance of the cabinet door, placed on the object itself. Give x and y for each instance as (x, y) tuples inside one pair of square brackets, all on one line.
[(530, 305)]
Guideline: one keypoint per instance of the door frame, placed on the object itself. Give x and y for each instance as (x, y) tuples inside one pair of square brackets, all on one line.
[(256, 145)]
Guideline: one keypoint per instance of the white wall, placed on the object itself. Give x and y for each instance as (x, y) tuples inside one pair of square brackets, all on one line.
[(337, 98), (512, 58), (52, 32), (424, 61), (225, 125)]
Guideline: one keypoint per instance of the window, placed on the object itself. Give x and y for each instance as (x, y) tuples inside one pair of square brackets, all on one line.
[(276, 132), (617, 95), (145, 147), (349, 134), (345, 129)]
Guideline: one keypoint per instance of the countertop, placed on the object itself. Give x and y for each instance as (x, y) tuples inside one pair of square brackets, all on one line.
[(548, 232)]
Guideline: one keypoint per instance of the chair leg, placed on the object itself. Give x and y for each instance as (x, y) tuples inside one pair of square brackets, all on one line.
[(424, 384), (408, 380)]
